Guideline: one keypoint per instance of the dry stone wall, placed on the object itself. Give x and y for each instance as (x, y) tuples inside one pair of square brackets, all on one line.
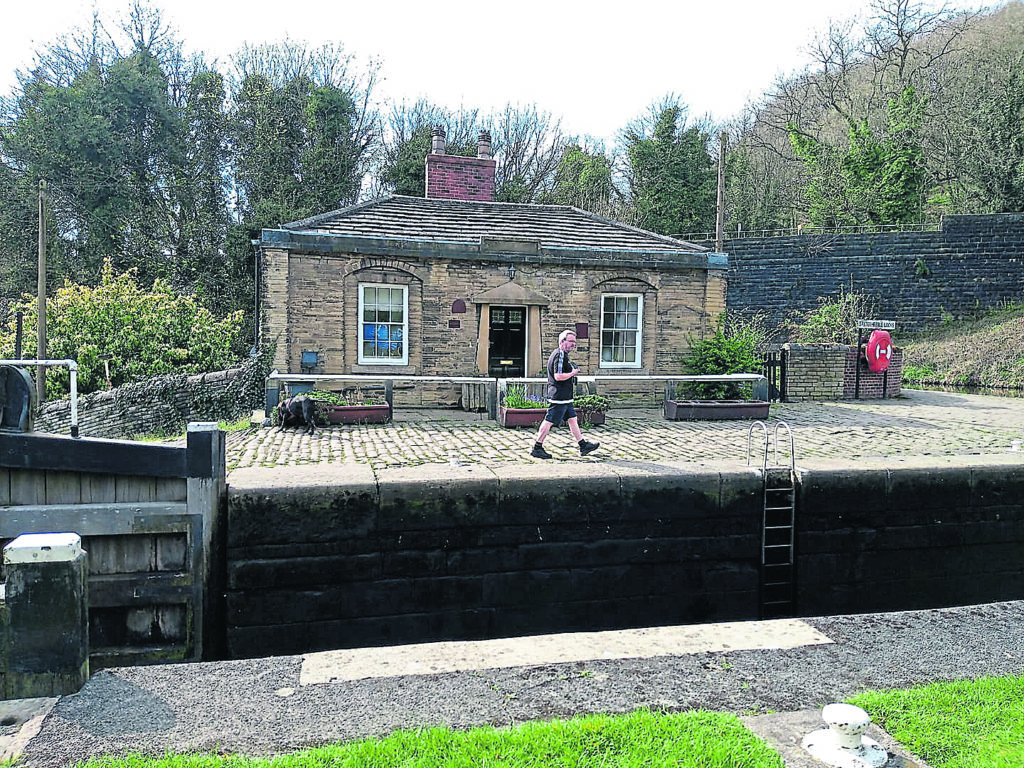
[(161, 404)]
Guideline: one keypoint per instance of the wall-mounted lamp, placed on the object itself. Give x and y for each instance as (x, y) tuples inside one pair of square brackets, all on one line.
[(511, 271)]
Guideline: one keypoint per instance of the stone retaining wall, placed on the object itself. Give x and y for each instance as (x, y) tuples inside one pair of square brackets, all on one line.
[(917, 278), (327, 557), (435, 553)]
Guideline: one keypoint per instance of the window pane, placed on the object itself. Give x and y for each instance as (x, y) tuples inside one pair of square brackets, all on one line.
[(620, 329)]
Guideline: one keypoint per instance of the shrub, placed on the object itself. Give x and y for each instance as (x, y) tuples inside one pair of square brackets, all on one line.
[(735, 348), (835, 319), (139, 333)]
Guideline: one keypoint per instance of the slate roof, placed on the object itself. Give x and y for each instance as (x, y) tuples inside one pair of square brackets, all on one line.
[(454, 221)]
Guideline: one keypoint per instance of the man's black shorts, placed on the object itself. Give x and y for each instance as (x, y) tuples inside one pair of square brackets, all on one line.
[(559, 412)]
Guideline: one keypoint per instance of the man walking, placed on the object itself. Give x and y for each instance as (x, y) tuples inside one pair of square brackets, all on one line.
[(561, 373)]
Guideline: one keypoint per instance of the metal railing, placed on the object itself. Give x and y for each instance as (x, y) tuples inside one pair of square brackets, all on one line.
[(497, 388), (760, 382), (853, 229), (388, 382)]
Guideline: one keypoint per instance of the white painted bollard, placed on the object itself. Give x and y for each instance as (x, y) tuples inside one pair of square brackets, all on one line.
[(843, 744)]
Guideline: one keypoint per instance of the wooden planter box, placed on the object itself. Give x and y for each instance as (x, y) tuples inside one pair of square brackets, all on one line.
[(711, 410), (357, 414), (520, 417)]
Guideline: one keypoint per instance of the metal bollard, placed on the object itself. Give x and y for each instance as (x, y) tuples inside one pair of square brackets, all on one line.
[(47, 596)]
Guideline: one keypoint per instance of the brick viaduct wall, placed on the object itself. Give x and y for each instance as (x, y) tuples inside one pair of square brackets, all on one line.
[(332, 561), (972, 262)]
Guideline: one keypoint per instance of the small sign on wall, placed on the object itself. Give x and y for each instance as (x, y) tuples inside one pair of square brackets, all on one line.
[(454, 323)]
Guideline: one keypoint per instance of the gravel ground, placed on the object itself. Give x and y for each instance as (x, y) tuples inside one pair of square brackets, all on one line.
[(259, 707)]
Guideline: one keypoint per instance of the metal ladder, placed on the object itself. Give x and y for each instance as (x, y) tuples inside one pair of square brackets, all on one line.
[(778, 577)]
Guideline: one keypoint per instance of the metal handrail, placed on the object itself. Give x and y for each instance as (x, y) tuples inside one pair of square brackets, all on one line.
[(498, 386), (389, 381)]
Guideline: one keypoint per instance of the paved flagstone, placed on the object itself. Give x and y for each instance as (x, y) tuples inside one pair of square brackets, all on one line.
[(918, 423)]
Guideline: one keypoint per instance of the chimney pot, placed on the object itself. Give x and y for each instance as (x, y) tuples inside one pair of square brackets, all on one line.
[(483, 145), (437, 141)]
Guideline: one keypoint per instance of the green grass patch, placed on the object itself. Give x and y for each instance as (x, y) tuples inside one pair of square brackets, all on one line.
[(963, 724), (640, 739)]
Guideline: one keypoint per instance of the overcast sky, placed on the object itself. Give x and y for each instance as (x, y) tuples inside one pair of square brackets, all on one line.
[(595, 65)]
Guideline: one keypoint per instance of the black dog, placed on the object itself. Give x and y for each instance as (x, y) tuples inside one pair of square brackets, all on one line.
[(298, 411)]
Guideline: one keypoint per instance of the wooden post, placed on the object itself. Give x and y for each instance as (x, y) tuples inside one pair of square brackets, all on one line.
[(206, 499), (41, 298), (723, 140)]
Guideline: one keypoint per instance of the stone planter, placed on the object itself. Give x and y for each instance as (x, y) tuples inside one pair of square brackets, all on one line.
[(357, 414), (590, 418), (520, 417), (712, 410)]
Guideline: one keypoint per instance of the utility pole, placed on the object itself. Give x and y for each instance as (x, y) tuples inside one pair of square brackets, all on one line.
[(41, 294), (723, 140)]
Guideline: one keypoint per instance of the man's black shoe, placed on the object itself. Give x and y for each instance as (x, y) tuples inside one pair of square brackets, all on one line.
[(587, 447), (538, 452)]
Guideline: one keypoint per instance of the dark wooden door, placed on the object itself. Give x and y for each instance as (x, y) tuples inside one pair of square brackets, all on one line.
[(507, 354)]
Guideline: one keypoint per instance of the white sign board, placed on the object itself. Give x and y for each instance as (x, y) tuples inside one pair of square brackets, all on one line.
[(886, 325)]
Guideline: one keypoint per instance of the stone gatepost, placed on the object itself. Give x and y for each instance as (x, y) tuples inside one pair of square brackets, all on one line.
[(47, 598)]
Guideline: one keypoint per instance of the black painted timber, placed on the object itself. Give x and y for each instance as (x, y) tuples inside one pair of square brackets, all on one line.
[(58, 453)]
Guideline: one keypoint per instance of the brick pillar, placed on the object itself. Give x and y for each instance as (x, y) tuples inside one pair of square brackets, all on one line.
[(47, 634)]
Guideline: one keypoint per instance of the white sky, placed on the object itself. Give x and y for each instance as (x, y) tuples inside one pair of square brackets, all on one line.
[(595, 65)]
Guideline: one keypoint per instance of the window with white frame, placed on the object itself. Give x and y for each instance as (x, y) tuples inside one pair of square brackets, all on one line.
[(383, 324), (621, 316)]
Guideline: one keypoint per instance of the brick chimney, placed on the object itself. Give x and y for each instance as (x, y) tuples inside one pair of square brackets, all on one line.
[(460, 178)]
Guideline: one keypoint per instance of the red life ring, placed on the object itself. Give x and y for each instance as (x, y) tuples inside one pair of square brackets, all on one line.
[(879, 351)]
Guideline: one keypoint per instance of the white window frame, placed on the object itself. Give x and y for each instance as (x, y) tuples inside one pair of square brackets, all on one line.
[(404, 359), (638, 363)]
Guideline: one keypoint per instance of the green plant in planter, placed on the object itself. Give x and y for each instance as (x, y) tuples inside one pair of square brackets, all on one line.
[(516, 397), (326, 397), (591, 402), (588, 405), (732, 352)]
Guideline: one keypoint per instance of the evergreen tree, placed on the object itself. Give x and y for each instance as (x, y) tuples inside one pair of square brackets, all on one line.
[(671, 174)]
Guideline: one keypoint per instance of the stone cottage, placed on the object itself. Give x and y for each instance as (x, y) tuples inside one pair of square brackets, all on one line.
[(456, 284)]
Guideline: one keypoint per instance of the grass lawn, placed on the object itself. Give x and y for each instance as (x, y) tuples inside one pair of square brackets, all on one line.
[(648, 739), (965, 724)]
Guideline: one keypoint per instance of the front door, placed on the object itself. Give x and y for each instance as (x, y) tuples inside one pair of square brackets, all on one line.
[(506, 356)]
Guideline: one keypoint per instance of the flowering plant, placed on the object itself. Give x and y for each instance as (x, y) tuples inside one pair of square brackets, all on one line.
[(516, 397)]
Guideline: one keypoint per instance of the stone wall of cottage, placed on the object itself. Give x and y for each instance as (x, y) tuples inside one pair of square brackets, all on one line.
[(312, 304)]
